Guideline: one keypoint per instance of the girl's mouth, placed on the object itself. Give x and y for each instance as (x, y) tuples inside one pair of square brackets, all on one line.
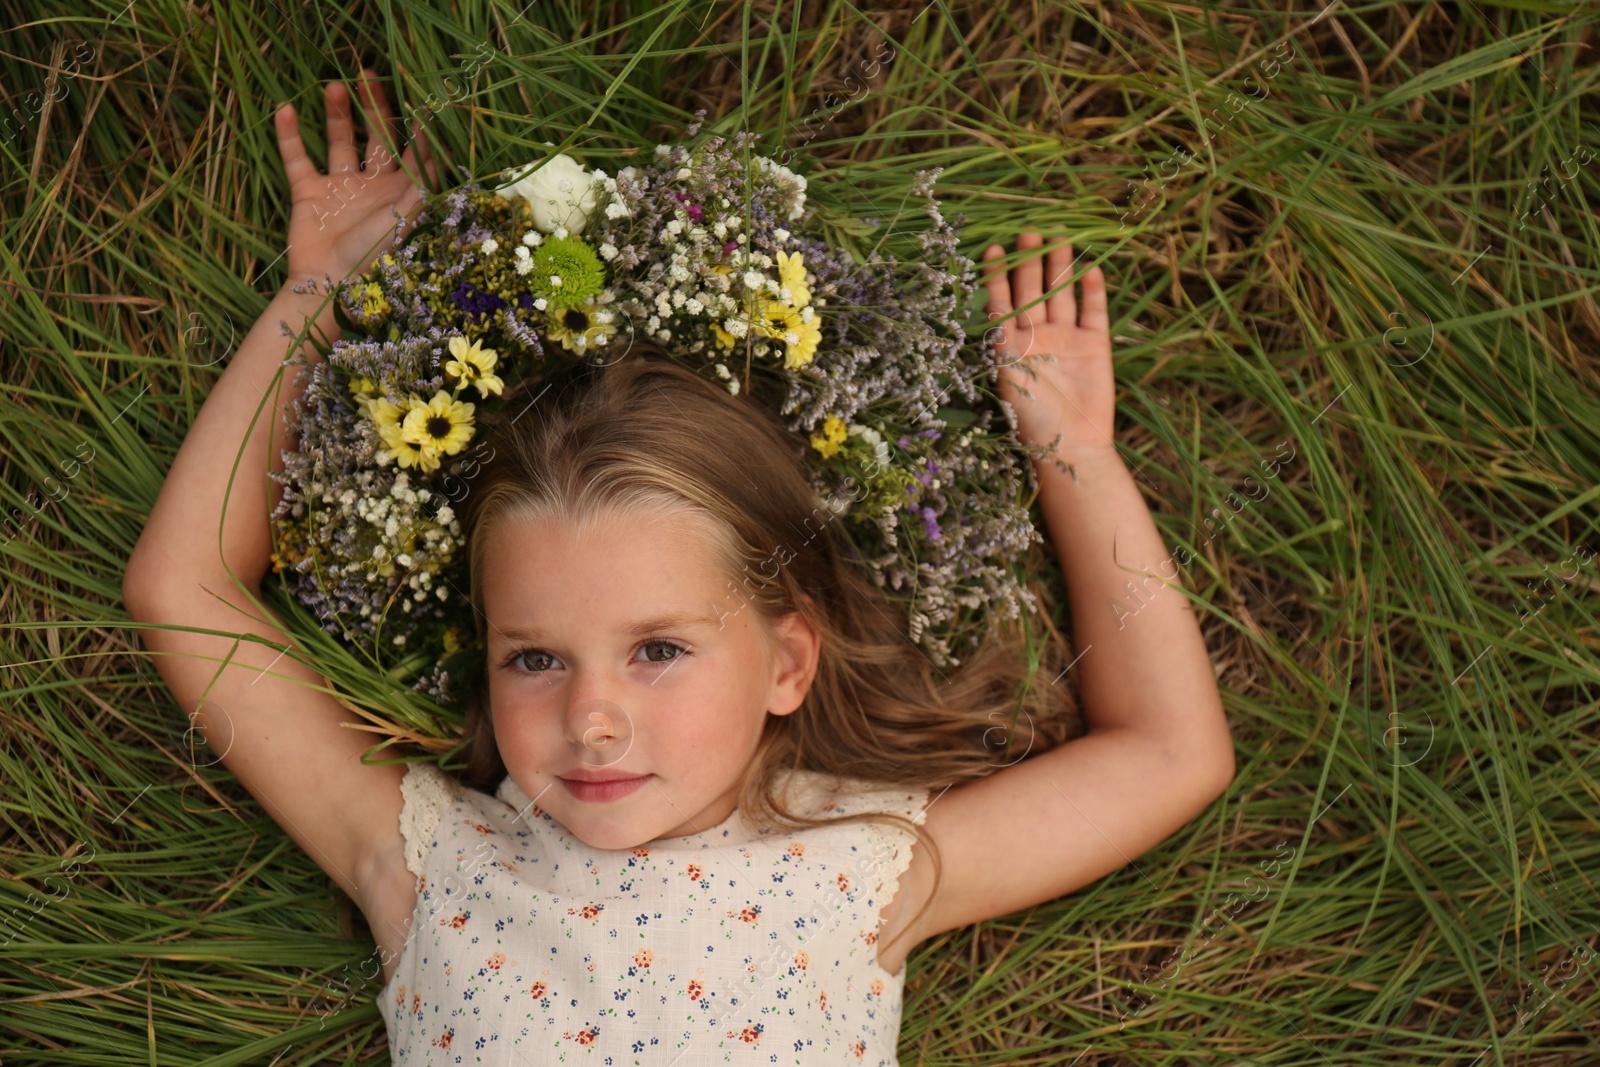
[(600, 792)]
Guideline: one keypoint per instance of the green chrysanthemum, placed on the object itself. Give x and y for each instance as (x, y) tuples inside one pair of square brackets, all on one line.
[(566, 272)]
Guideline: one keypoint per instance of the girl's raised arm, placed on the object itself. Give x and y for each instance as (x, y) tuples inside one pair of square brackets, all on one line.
[(206, 546), (1158, 750)]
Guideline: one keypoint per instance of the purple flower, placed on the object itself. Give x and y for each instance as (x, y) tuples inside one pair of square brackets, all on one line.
[(473, 302), (695, 211), (930, 521)]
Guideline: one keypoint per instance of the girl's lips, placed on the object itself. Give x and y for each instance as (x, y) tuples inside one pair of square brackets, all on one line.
[(600, 792)]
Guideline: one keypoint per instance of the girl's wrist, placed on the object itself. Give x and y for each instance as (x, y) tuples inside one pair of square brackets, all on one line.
[(296, 308), (1064, 461)]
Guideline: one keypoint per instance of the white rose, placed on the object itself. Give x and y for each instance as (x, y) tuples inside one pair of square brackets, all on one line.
[(561, 193)]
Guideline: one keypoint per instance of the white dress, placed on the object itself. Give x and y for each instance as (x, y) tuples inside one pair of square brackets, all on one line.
[(528, 946)]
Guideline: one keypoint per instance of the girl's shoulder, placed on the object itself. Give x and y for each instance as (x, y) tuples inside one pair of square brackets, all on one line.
[(426, 794), (823, 795)]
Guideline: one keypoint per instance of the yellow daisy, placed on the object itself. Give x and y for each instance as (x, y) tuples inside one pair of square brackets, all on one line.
[(383, 413), (782, 322), (578, 328), (442, 424), (792, 276), (803, 341), (832, 436), (408, 453), (474, 366), (724, 338)]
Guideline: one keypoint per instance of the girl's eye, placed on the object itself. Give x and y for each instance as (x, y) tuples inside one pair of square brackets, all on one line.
[(528, 656), (535, 661), (664, 644)]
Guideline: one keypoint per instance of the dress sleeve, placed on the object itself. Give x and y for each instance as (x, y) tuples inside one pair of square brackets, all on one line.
[(891, 845), (425, 793)]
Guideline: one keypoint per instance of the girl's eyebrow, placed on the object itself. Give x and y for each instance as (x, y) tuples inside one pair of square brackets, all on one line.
[(672, 620)]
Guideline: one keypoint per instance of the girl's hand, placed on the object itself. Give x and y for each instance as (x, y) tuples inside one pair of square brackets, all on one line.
[(338, 221), (1059, 355)]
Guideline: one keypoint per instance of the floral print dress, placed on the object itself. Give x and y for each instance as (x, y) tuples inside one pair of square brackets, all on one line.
[(528, 946)]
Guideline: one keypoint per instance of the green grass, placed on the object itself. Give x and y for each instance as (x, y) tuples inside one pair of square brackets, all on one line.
[(1339, 273)]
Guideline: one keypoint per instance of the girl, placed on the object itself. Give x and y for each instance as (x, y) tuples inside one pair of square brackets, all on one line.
[(715, 797)]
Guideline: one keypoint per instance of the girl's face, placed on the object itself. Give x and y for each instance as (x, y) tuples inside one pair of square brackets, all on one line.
[(625, 653)]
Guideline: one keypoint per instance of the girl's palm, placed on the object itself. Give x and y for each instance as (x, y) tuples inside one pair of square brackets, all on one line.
[(339, 221), (1054, 351)]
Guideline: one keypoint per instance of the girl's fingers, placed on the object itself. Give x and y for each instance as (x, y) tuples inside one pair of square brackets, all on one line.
[(420, 143), (1094, 316), (381, 125), (341, 130), (297, 166), (996, 281), (1062, 307), (1027, 280)]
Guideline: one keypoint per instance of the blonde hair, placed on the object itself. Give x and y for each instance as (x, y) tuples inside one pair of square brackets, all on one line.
[(646, 434)]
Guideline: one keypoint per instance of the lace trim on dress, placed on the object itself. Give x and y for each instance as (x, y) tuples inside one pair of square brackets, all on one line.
[(426, 792), (892, 844)]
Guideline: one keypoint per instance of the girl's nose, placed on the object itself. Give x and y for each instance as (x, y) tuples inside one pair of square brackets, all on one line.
[(599, 729)]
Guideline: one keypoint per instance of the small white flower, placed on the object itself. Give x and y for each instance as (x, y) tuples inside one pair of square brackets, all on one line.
[(663, 336), (603, 317), (792, 336), (806, 314), (608, 251), (781, 234), (540, 303), (693, 306), (533, 239), (616, 210), (446, 515), (652, 323), (663, 150), (722, 372), (684, 174), (753, 279), (721, 230), (736, 327), (489, 246), (523, 266), (560, 231), (404, 559), (733, 386), (555, 280)]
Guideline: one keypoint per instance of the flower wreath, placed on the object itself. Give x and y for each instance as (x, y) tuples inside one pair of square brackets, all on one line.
[(712, 254)]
